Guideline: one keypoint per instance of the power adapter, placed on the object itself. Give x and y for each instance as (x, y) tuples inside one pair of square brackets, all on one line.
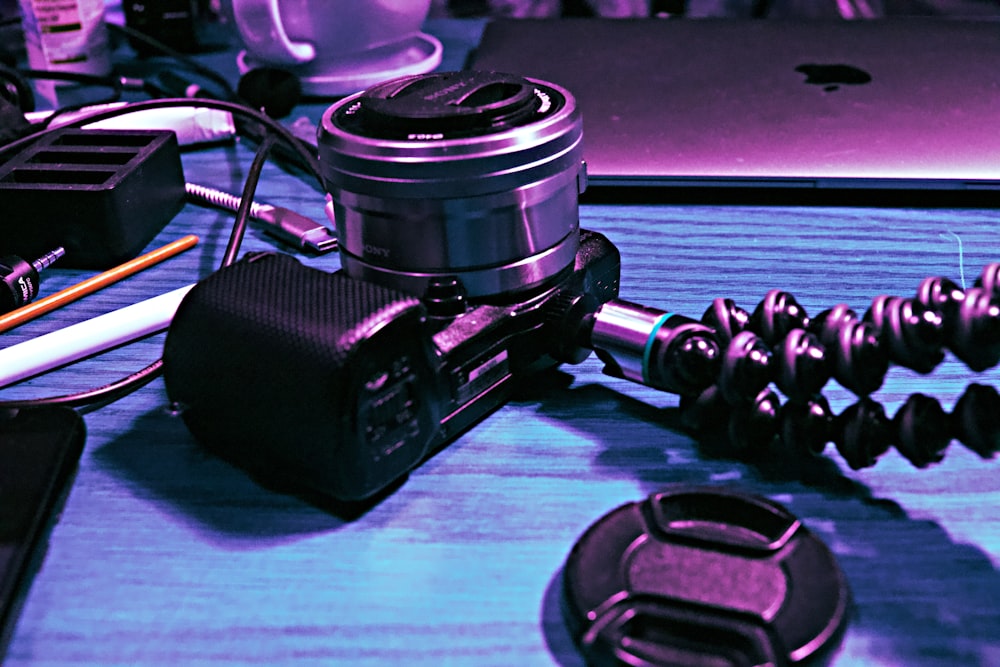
[(102, 195)]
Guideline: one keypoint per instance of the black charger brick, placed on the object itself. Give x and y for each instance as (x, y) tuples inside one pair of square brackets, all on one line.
[(103, 195)]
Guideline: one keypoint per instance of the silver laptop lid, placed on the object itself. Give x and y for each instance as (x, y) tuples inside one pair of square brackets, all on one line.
[(895, 104)]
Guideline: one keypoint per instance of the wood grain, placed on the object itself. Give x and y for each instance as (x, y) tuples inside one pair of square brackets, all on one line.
[(167, 555)]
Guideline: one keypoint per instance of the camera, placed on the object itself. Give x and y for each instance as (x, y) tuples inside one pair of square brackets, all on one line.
[(464, 271)]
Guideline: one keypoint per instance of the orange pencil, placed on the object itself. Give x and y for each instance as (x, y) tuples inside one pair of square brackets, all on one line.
[(23, 314)]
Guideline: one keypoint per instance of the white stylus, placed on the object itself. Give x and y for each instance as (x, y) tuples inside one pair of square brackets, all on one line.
[(90, 337)]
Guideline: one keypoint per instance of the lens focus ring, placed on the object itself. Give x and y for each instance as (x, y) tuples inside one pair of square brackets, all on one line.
[(466, 175)]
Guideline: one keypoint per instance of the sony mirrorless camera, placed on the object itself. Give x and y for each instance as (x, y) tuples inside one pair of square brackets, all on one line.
[(464, 271)]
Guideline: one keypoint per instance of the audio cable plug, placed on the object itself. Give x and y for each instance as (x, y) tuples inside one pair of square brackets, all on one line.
[(20, 278)]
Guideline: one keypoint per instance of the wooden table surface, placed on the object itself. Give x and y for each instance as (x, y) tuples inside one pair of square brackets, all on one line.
[(165, 554)]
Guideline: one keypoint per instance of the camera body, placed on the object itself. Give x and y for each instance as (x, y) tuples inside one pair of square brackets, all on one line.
[(464, 271), (455, 200), (317, 381)]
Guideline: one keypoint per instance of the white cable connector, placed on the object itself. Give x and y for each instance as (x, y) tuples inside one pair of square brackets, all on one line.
[(192, 126)]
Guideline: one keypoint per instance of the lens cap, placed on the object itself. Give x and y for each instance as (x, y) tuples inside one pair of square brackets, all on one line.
[(699, 576), (447, 105)]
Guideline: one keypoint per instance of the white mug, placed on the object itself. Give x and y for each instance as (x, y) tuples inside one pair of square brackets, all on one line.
[(337, 46)]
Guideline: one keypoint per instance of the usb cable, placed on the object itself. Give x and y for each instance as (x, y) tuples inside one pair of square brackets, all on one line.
[(282, 223)]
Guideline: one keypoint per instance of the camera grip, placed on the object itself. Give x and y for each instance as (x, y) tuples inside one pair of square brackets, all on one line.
[(308, 380)]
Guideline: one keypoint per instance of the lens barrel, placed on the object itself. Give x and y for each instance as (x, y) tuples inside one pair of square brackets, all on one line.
[(469, 179)]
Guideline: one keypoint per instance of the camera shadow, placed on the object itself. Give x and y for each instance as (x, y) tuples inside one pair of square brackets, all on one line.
[(211, 495)]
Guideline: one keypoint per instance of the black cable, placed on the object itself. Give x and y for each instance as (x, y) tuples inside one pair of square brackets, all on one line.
[(760, 9), (93, 399), (246, 201), (114, 83), (108, 81), (308, 159), (101, 396), (111, 392), (297, 148), (207, 72)]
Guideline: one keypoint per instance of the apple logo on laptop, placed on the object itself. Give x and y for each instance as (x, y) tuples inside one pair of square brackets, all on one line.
[(831, 77)]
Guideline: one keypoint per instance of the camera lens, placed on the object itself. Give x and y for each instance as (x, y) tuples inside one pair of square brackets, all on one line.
[(462, 177)]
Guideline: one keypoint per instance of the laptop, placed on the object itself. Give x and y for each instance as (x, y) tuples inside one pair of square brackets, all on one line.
[(771, 110)]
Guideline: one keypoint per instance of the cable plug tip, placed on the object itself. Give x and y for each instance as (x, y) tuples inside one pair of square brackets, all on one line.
[(296, 229)]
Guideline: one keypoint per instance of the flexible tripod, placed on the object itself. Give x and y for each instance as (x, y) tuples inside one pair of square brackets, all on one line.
[(778, 342)]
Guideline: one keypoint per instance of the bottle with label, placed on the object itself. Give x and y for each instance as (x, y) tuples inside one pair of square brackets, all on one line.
[(66, 36)]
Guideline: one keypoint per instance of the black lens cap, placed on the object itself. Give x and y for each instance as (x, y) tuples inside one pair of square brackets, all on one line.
[(447, 105), (703, 576)]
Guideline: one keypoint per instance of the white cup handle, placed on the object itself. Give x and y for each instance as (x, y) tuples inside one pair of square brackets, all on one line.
[(259, 24)]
